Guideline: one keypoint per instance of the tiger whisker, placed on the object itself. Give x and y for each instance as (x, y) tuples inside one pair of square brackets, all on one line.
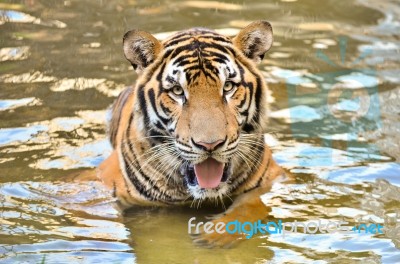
[(156, 156), (249, 152), (161, 136), (222, 201), (164, 167), (162, 157), (243, 158), (155, 148)]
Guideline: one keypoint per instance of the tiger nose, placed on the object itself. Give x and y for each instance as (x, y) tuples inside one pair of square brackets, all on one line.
[(209, 146)]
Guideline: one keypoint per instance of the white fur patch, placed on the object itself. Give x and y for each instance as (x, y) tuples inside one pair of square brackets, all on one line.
[(201, 194)]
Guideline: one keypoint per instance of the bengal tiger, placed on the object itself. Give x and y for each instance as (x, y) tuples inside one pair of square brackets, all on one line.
[(191, 129)]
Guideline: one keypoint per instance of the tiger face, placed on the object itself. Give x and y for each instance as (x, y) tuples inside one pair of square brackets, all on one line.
[(200, 95)]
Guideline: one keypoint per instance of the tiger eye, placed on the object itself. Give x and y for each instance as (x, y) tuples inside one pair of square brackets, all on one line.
[(177, 90), (228, 86)]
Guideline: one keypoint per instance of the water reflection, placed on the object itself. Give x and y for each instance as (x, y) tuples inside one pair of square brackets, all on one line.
[(10, 136), (34, 77), (12, 16), (68, 251), (370, 173), (33, 211), (108, 88), (14, 103), (61, 153), (15, 53)]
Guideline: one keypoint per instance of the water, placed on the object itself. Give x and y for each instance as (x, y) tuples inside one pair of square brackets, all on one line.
[(334, 71)]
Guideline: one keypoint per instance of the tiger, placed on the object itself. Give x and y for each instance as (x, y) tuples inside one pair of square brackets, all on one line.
[(191, 128)]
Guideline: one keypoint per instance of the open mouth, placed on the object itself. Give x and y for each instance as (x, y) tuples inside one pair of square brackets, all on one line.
[(207, 174)]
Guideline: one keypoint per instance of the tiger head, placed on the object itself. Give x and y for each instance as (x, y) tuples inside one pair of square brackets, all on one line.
[(201, 92)]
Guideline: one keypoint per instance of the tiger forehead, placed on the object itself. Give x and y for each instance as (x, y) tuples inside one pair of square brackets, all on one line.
[(200, 52), (202, 34)]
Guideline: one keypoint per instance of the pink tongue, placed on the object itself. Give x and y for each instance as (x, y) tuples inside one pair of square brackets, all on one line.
[(209, 173)]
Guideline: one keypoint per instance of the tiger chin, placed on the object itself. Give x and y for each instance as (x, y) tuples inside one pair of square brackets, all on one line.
[(191, 129)]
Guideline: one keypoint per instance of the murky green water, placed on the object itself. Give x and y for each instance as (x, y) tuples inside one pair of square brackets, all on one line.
[(334, 71)]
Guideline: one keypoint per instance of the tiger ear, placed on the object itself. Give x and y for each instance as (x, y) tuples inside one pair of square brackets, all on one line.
[(255, 40), (140, 48)]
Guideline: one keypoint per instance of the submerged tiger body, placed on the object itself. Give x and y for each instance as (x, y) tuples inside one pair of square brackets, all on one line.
[(191, 128)]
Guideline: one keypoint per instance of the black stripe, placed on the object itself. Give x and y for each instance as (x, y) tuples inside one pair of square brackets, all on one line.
[(217, 38), (143, 107), (211, 68), (165, 109), (246, 85), (243, 101), (220, 60), (258, 96), (136, 183), (185, 63), (254, 92), (128, 163), (161, 196), (152, 99), (195, 76), (199, 46), (155, 137), (154, 193), (176, 40), (260, 179), (170, 79), (117, 112), (167, 54), (241, 180), (160, 73), (221, 56), (232, 148), (248, 128), (191, 75)]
